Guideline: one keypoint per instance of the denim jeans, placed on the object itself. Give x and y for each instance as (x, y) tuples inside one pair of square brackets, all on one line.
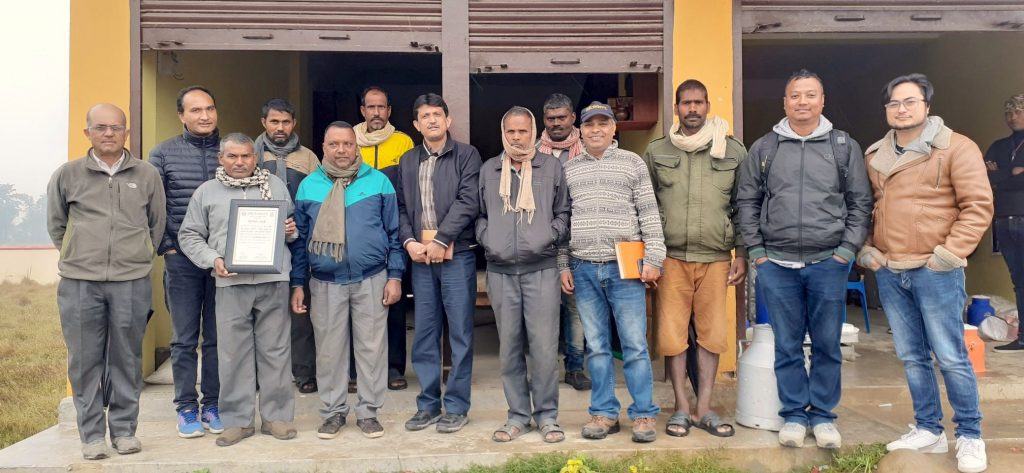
[(601, 297), (925, 311), (1010, 234), (453, 285), (572, 334), (190, 296), (809, 299)]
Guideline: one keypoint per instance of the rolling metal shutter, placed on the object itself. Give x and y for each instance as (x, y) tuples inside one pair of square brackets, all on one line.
[(536, 36), (881, 16), (308, 25)]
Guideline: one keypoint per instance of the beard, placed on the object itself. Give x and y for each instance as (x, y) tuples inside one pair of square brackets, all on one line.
[(909, 126)]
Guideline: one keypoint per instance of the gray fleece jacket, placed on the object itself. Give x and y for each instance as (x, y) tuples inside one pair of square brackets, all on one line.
[(204, 232)]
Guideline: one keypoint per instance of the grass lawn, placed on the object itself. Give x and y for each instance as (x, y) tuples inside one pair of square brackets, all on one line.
[(33, 360)]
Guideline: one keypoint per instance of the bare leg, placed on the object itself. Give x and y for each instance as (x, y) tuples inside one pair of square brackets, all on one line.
[(708, 368), (677, 374)]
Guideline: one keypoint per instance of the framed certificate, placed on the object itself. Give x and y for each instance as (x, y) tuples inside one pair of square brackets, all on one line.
[(256, 236)]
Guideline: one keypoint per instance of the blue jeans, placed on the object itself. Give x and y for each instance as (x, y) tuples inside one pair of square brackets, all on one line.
[(1010, 234), (190, 296), (452, 285), (602, 296), (925, 311), (572, 334), (811, 299)]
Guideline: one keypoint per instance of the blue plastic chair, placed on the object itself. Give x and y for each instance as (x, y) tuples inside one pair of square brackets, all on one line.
[(858, 286)]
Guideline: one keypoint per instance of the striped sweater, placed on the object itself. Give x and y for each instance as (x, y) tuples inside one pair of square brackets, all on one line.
[(612, 201)]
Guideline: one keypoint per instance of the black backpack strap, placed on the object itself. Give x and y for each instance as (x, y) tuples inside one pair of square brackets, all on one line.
[(840, 141), (766, 152)]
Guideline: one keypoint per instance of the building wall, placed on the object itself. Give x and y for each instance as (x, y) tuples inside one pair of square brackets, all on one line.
[(37, 264), (969, 97)]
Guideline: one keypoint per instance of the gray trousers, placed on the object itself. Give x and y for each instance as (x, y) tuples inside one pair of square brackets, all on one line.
[(344, 313), (254, 345), (103, 324), (526, 311)]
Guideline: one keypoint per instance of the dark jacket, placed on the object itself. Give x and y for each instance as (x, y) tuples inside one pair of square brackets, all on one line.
[(184, 162), (105, 226), (511, 244), (1008, 189), (802, 216), (456, 194), (371, 230)]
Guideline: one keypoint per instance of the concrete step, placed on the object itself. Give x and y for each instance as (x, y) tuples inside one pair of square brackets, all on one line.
[(58, 450)]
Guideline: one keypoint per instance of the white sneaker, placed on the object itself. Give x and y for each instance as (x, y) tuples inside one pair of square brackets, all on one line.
[(826, 435), (792, 434), (970, 455), (920, 440)]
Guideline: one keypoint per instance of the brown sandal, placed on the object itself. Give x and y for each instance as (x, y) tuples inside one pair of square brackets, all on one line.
[(509, 432)]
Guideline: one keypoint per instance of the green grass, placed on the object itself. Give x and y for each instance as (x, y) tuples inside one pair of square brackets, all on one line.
[(862, 459), (33, 360), (711, 461)]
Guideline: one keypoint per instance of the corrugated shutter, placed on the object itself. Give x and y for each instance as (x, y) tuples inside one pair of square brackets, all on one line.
[(311, 25), (881, 16), (566, 36)]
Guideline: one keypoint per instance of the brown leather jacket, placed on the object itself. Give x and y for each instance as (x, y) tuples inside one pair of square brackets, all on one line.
[(929, 208)]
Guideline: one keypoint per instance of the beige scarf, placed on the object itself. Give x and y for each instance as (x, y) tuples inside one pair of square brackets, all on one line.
[(328, 238), (365, 138), (713, 131), (524, 203)]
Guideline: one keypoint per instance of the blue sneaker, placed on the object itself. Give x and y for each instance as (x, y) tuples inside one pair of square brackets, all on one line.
[(211, 419), (188, 424)]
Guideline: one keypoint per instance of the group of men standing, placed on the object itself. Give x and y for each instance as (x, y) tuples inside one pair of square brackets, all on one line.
[(548, 213)]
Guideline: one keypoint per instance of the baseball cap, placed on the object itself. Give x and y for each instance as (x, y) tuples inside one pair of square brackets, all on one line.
[(594, 109)]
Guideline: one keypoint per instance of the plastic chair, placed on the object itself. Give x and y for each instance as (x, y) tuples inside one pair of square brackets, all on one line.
[(858, 286)]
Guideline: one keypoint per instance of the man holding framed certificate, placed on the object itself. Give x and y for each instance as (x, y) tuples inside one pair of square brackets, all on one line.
[(238, 225)]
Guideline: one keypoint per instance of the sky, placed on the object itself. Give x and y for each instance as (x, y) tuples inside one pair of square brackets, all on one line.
[(34, 91)]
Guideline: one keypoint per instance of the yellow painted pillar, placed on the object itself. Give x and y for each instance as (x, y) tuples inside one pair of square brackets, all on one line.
[(702, 49), (100, 63)]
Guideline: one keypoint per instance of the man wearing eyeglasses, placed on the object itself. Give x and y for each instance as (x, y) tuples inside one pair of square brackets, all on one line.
[(933, 204), (185, 162), (1005, 162), (104, 212)]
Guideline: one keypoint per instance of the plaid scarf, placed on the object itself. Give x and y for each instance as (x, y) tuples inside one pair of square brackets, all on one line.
[(571, 143), (259, 177)]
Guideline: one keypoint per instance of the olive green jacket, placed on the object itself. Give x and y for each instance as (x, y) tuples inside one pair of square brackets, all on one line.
[(696, 197)]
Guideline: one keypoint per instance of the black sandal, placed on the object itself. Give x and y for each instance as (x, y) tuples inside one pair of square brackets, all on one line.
[(307, 387), (711, 423), (679, 419)]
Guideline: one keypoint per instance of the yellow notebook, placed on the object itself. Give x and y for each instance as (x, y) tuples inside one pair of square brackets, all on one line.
[(630, 256), (428, 236)]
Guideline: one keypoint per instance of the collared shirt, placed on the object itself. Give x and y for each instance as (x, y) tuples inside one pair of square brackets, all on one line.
[(110, 170), (429, 214)]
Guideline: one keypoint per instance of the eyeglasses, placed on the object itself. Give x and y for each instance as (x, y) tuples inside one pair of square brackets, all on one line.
[(907, 104), (101, 129)]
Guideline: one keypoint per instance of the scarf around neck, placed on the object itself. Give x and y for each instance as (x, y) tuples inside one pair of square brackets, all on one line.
[(713, 131), (366, 138), (260, 177), (571, 143), (263, 144), (524, 203), (328, 237)]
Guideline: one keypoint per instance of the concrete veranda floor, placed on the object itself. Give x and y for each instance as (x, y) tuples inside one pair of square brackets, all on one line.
[(875, 408)]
